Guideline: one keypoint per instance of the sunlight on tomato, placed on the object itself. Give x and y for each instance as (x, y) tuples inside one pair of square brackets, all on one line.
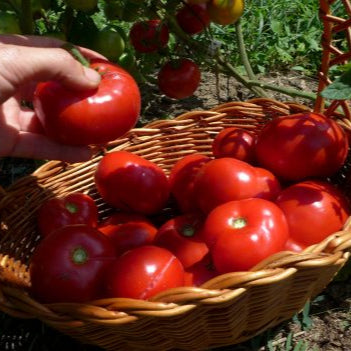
[(225, 11)]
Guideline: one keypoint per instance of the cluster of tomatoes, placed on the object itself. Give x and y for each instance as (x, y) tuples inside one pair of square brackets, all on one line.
[(257, 194)]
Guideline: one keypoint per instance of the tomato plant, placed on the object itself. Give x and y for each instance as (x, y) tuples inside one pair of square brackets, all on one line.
[(131, 183), (302, 145), (181, 180), (89, 117), (67, 265), (179, 79), (143, 272), (82, 5), (234, 142), (242, 233), (314, 210), (128, 230), (149, 36), (193, 18), (182, 236), (222, 180), (75, 208), (9, 23)]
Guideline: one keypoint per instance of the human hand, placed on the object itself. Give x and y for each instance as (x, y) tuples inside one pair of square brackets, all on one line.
[(25, 61)]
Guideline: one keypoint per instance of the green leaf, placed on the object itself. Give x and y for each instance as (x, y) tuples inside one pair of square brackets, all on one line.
[(340, 89)]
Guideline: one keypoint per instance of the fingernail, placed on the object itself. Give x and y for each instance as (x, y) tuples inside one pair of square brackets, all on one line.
[(92, 75)]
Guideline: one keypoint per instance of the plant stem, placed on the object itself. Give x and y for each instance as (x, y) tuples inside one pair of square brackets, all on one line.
[(76, 54), (26, 17), (244, 58)]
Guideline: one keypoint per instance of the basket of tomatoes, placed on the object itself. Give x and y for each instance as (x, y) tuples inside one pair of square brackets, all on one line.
[(190, 233)]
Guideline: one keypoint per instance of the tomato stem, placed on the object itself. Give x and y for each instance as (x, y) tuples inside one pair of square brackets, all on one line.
[(238, 223), (71, 207), (79, 256), (73, 50), (188, 231)]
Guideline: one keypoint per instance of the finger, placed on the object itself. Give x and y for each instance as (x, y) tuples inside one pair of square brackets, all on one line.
[(38, 146), (19, 64), (29, 122), (44, 42)]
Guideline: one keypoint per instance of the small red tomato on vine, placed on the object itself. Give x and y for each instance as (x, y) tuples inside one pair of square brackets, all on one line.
[(193, 18)]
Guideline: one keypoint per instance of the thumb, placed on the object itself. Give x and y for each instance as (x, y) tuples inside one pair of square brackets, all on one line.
[(20, 65)]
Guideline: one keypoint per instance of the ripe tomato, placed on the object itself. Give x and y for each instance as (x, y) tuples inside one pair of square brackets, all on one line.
[(143, 272), (128, 230), (292, 245), (89, 117), (193, 18), (225, 11), (75, 208), (234, 142), (222, 180), (302, 145), (131, 183), (149, 36), (268, 184), (242, 233), (200, 272), (67, 265), (314, 210), (182, 236), (181, 180), (179, 79)]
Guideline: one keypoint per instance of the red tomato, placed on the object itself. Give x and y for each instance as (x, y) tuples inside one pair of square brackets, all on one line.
[(89, 117), (234, 142), (268, 184), (222, 180), (67, 265), (128, 230), (75, 208), (179, 79), (131, 183), (242, 233), (143, 272), (182, 236), (314, 210), (292, 245), (149, 36), (200, 272), (302, 145), (181, 180), (193, 18)]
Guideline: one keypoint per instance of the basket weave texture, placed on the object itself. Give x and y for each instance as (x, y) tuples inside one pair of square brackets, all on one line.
[(228, 309)]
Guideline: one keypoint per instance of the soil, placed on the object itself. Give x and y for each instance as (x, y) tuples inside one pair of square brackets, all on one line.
[(327, 326)]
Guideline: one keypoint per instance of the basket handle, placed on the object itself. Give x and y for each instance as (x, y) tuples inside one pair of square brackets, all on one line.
[(331, 55)]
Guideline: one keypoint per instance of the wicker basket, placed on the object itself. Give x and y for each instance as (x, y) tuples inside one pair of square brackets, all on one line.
[(228, 309)]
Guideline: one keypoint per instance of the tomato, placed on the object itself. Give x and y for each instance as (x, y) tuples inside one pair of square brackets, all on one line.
[(268, 184), (149, 36), (128, 230), (222, 180), (131, 183), (225, 12), (9, 23), (107, 42), (193, 18), (75, 208), (302, 145), (292, 245), (67, 266), (143, 272), (181, 180), (242, 233), (182, 236), (200, 272), (89, 117), (82, 5), (234, 142), (179, 79), (314, 210)]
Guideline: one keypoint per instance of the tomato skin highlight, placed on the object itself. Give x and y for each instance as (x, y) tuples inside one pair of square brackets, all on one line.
[(314, 210), (131, 183), (302, 145), (75, 208), (143, 272), (89, 117), (68, 265), (242, 233)]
